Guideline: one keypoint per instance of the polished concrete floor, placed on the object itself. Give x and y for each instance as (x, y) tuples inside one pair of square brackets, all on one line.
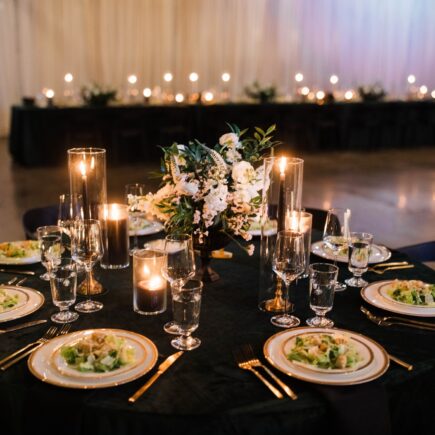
[(391, 193)]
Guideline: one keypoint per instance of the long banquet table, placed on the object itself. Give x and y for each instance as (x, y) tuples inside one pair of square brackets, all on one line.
[(40, 137), (204, 391)]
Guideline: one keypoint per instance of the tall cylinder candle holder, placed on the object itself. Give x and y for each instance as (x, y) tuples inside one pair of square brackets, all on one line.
[(114, 231), (281, 197), (149, 286), (87, 176)]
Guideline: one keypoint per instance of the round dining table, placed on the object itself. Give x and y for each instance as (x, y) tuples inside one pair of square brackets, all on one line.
[(204, 391)]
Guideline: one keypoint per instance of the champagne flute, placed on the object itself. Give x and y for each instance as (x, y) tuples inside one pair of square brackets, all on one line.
[(136, 218), (336, 235), (179, 268), (359, 254), (288, 263), (50, 246), (86, 250), (70, 209)]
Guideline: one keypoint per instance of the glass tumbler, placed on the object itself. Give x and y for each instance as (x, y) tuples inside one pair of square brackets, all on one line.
[(359, 254), (323, 277)]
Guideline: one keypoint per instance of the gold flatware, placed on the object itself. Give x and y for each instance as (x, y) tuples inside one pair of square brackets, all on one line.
[(11, 281), (23, 325), (245, 365), (36, 345), (17, 272), (400, 362), (162, 368), (401, 321), (255, 362), (392, 263), (382, 271)]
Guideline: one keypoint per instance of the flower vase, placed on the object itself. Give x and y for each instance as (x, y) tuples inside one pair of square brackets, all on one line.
[(215, 240)]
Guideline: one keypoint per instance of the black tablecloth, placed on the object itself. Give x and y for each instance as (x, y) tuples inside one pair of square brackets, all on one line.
[(133, 133), (205, 392)]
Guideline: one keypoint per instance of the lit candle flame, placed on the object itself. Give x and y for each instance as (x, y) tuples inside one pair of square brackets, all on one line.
[(282, 165), (155, 283), (114, 212), (82, 168)]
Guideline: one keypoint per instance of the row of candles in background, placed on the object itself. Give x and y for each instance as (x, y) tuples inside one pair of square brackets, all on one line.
[(165, 94)]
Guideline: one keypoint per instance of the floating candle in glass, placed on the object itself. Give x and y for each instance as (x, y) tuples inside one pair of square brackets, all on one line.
[(149, 286)]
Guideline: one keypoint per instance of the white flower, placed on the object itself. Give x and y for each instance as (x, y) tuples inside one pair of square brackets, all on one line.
[(243, 172), (232, 155), (184, 187), (179, 159), (215, 202), (250, 249), (231, 140), (196, 217)]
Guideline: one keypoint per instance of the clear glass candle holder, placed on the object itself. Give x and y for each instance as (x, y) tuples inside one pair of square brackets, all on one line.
[(149, 285), (115, 236)]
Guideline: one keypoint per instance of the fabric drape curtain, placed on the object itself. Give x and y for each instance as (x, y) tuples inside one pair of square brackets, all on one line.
[(363, 41)]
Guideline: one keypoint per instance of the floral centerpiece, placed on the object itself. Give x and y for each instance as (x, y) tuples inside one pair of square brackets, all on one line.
[(98, 95), (211, 190)]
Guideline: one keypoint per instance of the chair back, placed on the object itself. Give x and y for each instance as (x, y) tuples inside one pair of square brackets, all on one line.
[(38, 217)]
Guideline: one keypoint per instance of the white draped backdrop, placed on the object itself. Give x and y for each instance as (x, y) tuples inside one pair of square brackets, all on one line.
[(363, 41)]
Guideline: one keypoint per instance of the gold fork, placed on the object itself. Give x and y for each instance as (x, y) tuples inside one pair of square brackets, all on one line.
[(245, 365), (63, 330), (255, 362)]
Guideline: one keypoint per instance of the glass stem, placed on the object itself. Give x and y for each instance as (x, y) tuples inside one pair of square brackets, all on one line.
[(88, 282), (286, 296)]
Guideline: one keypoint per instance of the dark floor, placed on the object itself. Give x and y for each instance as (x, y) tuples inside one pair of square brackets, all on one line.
[(391, 193)]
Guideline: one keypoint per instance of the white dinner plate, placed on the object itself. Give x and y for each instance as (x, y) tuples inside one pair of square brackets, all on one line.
[(32, 254), (378, 253), (376, 359), (30, 301), (270, 229), (374, 295), (44, 363), (146, 228)]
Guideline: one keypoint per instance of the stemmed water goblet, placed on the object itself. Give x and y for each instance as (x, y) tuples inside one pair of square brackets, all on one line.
[(288, 263), (359, 254), (63, 285), (179, 268), (50, 246), (322, 289), (186, 305), (136, 217), (86, 250), (336, 235)]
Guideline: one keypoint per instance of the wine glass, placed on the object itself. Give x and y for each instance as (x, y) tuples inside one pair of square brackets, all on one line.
[(63, 285), (288, 263), (322, 289), (86, 250), (186, 305), (359, 253), (50, 246), (136, 217), (336, 235), (70, 209), (179, 268)]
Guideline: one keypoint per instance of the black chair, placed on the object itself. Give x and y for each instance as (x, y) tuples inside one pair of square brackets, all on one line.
[(319, 218), (38, 217), (420, 252)]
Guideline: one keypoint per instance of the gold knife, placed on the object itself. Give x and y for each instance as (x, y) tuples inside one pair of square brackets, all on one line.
[(23, 325), (162, 368)]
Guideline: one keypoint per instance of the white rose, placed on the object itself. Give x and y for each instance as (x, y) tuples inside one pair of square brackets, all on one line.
[(243, 172), (184, 187), (230, 140)]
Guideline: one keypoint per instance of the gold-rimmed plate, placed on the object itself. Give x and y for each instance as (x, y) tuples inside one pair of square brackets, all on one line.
[(378, 364), (378, 253), (43, 367), (372, 295), (361, 348), (384, 292), (31, 300)]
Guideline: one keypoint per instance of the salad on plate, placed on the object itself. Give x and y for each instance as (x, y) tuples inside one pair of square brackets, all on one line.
[(411, 292), (325, 351), (98, 353), (8, 300), (19, 250)]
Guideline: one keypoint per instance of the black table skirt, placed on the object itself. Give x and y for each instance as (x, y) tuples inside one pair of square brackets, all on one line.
[(132, 133), (205, 392)]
